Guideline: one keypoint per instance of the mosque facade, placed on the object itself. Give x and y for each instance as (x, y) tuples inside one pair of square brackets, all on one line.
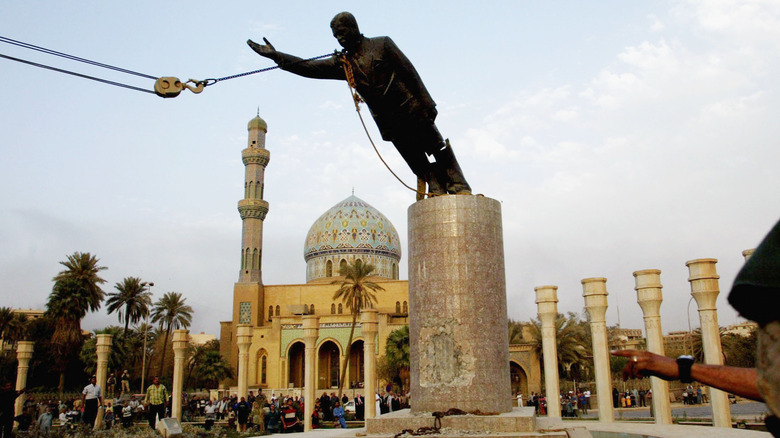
[(350, 230)]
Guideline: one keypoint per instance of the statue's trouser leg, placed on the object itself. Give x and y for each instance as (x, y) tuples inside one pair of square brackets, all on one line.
[(410, 149), (456, 182)]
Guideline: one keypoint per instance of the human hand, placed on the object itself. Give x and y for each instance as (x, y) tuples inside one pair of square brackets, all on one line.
[(266, 50), (643, 364)]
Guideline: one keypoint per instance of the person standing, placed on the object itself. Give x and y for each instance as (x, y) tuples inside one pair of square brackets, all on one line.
[(7, 399), (125, 379), (243, 408), (45, 420), (91, 398), (156, 397)]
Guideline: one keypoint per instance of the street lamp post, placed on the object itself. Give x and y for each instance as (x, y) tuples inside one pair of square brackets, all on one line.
[(146, 332)]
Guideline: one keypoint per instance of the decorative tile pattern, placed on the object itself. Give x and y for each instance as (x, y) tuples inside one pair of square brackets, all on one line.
[(351, 229), (245, 313)]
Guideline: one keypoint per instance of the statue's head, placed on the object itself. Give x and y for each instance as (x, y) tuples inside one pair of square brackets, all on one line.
[(345, 30)]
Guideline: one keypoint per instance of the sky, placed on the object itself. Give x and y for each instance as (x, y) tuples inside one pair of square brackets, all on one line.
[(618, 136)]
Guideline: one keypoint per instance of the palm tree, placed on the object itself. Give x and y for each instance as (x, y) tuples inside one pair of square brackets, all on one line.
[(6, 314), (76, 291), (171, 312), (397, 353), (516, 329), (132, 301), (212, 368), (570, 338), (16, 329), (356, 292)]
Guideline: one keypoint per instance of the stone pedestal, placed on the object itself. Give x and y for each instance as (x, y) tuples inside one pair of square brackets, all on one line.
[(704, 288), (595, 292), (649, 296), (457, 297), (547, 303), (311, 331), (243, 340), (24, 352), (181, 339), (369, 327)]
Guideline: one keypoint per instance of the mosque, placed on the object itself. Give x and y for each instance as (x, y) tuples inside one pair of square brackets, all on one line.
[(350, 230)]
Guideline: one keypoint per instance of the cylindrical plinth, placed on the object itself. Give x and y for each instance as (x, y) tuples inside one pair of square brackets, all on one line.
[(704, 288), (458, 336), (547, 303), (369, 326), (595, 292), (24, 352), (181, 339), (311, 331), (649, 296)]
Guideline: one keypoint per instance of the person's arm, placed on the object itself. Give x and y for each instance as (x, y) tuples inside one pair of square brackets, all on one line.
[(736, 380)]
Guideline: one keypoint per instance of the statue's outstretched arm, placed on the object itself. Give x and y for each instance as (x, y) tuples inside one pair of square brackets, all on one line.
[(329, 68)]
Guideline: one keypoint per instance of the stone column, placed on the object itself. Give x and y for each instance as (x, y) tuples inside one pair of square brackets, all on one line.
[(103, 348), (457, 299), (24, 352), (547, 303), (369, 326), (181, 339), (748, 253), (649, 296), (244, 340), (704, 288), (595, 292), (311, 329)]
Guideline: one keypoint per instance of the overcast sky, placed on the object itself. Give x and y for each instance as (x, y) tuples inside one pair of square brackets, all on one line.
[(617, 135)]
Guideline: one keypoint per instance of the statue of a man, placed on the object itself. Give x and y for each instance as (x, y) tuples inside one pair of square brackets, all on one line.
[(401, 106)]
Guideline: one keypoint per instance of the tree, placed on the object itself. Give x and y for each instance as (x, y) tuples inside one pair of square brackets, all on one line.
[(516, 329), (397, 354), (76, 291), (356, 292), (16, 329), (6, 314), (171, 312), (132, 301)]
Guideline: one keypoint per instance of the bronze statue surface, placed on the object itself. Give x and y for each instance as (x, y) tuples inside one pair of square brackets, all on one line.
[(401, 106)]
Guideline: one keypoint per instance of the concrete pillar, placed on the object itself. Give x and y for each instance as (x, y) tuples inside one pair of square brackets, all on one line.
[(24, 352), (103, 348), (457, 302), (311, 329), (704, 288), (181, 339), (369, 327), (649, 296), (595, 292), (547, 304), (244, 340)]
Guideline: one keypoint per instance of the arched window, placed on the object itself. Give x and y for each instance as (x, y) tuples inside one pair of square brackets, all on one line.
[(270, 312), (406, 307), (329, 269), (311, 309), (340, 309), (246, 189), (395, 271), (264, 370), (333, 309), (277, 310), (397, 307), (342, 265), (254, 259)]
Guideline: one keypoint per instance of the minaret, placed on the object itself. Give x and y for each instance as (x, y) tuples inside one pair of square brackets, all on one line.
[(253, 208), (248, 291)]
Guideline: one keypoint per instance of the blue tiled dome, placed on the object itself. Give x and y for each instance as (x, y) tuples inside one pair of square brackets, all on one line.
[(348, 230)]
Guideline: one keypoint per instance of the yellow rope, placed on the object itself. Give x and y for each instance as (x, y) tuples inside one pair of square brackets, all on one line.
[(356, 98)]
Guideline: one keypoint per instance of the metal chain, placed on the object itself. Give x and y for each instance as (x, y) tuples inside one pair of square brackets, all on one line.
[(212, 81)]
